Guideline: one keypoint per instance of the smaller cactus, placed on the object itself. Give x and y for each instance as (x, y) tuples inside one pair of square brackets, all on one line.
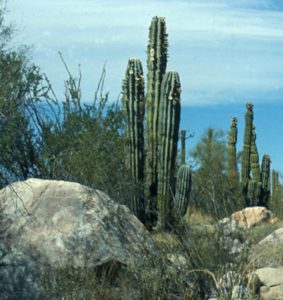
[(265, 179), (245, 169), (232, 152), (255, 168), (254, 159), (183, 146), (276, 190), (183, 188)]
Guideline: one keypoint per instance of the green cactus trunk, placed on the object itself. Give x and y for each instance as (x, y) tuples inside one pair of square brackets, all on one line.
[(265, 180), (208, 157), (156, 63), (183, 147), (275, 182), (232, 151), (183, 188), (134, 106), (252, 192), (245, 167), (276, 191), (168, 131), (255, 168)]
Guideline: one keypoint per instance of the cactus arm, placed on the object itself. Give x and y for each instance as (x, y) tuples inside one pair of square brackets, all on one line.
[(133, 100), (255, 168), (169, 122), (156, 63), (183, 188)]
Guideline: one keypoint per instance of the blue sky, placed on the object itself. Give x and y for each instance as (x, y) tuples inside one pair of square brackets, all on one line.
[(227, 53)]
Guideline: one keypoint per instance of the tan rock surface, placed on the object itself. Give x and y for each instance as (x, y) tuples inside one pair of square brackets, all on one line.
[(271, 281), (252, 216)]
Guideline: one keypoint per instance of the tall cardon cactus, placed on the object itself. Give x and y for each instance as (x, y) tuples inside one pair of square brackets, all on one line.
[(183, 188), (162, 108), (245, 166), (232, 151), (133, 99), (168, 130)]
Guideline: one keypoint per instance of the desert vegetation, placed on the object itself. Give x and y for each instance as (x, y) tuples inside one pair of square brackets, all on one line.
[(134, 150)]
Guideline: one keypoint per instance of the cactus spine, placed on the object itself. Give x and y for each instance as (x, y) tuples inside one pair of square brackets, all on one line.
[(168, 130), (156, 64), (134, 107), (232, 152), (245, 167), (265, 179), (183, 188)]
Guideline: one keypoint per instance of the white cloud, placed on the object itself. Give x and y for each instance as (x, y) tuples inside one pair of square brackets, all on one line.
[(222, 49)]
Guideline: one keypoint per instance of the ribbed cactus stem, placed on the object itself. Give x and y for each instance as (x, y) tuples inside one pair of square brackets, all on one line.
[(232, 151), (275, 181), (254, 160), (183, 188), (245, 166), (265, 180), (156, 63), (168, 131), (252, 192), (276, 190), (183, 146), (134, 106), (255, 168), (210, 132)]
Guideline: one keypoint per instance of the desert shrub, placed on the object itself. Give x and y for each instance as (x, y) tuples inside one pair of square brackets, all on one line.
[(80, 283), (212, 190), (189, 265)]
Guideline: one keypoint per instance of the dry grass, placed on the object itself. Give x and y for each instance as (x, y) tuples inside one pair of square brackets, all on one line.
[(194, 216)]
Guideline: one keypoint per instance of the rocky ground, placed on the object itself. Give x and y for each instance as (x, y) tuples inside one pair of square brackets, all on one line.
[(62, 240)]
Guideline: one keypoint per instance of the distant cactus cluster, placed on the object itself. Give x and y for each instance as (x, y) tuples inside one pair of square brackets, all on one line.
[(152, 150), (255, 179)]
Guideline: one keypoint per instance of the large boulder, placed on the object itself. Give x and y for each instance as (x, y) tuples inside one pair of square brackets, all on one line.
[(276, 237), (252, 216), (268, 251), (62, 224), (270, 283)]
